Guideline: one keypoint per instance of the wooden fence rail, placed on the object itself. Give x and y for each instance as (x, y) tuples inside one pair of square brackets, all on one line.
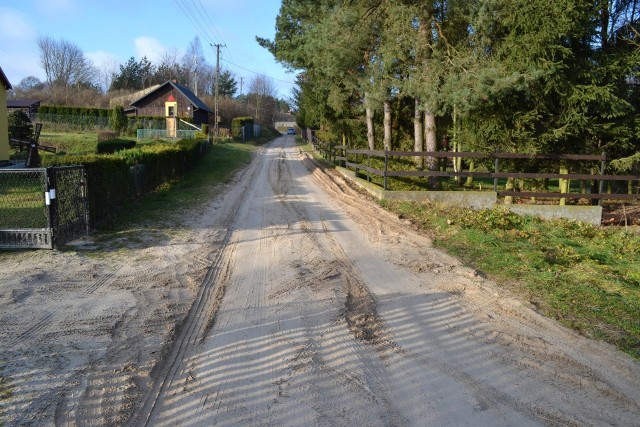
[(340, 154)]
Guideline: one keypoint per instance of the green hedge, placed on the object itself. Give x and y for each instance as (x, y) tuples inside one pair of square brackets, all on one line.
[(237, 124), (108, 179), (110, 176), (113, 145), (73, 111), (81, 118)]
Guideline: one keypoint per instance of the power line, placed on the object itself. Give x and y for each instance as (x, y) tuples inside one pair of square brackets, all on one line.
[(210, 22), (196, 13), (258, 73), (191, 16)]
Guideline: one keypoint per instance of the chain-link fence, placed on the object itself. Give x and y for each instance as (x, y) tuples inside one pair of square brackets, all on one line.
[(164, 134), (22, 199), (70, 213), (42, 208), (24, 215)]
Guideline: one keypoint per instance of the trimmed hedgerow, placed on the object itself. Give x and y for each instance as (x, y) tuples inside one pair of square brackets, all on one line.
[(110, 177), (113, 145)]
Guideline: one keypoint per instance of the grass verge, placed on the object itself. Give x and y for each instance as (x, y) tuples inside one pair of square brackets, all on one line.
[(218, 166), (586, 277)]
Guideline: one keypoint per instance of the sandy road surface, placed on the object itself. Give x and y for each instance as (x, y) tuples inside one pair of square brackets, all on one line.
[(289, 301)]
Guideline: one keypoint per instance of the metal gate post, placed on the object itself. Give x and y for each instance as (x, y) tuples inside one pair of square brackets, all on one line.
[(85, 200), (51, 201)]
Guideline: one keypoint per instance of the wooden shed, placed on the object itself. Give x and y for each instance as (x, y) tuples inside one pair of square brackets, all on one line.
[(29, 106), (4, 124), (172, 100)]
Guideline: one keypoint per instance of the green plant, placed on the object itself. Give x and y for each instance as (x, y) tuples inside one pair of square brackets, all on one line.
[(20, 126), (106, 136), (118, 120), (237, 124), (113, 145)]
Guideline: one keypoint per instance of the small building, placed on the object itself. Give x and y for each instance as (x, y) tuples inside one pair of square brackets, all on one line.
[(29, 106), (171, 100), (4, 123)]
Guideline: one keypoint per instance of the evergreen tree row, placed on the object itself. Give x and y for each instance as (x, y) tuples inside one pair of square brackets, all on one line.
[(529, 76)]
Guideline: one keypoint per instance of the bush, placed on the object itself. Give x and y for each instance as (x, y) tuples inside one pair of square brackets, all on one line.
[(113, 145), (118, 120), (106, 136), (237, 124), (20, 126)]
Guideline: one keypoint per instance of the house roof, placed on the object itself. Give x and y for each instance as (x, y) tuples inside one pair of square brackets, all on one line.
[(193, 99), (21, 103), (126, 99), (4, 80)]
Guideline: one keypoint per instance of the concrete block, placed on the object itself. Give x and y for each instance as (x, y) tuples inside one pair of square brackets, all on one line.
[(480, 200), (468, 199), (588, 214)]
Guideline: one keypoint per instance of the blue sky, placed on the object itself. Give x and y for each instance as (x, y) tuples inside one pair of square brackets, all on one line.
[(112, 31)]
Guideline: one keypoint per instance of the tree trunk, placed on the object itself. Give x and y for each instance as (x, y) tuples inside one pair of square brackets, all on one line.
[(457, 161), (387, 125), (417, 133), (604, 24), (472, 166), (369, 113), (430, 144)]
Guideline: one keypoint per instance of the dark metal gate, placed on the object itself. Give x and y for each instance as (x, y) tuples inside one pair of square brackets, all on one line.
[(42, 208)]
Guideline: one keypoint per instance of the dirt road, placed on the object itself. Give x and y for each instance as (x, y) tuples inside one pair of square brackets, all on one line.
[(289, 300)]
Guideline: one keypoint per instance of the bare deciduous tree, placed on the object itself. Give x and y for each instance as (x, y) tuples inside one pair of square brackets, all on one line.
[(107, 71), (262, 99), (64, 63)]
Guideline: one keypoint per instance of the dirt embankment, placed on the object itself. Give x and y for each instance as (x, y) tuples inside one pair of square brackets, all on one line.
[(290, 300)]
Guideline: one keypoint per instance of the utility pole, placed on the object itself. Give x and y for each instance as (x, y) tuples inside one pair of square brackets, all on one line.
[(195, 72), (241, 80), (216, 112)]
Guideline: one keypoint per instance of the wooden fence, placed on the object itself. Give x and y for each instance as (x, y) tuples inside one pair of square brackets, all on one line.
[(360, 160)]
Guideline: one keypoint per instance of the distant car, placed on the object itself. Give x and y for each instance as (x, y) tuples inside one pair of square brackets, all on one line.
[(291, 131)]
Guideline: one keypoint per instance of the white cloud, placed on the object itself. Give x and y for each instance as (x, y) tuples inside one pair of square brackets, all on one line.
[(101, 58), (57, 7), (150, 47), (15, 26), (18, 52)]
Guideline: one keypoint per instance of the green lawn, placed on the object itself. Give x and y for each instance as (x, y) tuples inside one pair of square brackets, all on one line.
[(22, 203)]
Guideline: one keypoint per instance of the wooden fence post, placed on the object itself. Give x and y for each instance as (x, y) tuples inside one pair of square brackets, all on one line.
[(564, 184), (386, 167), (495, 178), (603, 166)]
